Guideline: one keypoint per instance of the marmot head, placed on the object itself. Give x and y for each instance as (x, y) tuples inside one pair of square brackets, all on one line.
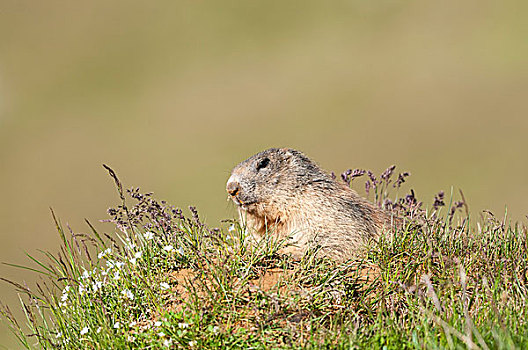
[(273, 177)]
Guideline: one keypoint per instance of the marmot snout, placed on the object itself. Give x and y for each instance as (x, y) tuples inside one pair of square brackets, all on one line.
[(284, 193)]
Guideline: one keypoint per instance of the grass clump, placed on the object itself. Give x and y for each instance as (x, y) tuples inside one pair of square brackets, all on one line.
[(166, 280)]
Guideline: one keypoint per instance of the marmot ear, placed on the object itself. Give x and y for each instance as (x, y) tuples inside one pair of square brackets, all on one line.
[(287, 153)]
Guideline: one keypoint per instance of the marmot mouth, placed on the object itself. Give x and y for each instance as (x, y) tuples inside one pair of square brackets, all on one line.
[(241, 203)]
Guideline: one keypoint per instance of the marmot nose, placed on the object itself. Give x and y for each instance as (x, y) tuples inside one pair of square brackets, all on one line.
[(233, 187)]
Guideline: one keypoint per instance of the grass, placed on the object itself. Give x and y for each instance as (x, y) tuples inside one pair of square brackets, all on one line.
[(165, 280)]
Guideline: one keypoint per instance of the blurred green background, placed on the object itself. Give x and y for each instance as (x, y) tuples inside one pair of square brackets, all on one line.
[(172, 94)]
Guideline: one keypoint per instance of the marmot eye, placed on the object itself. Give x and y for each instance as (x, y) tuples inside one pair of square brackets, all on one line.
[(262, 163)]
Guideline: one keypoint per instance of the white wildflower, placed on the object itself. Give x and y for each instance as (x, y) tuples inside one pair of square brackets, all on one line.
[(110, 263), (192, 343), (167, 342), (130, 245), (97, 285), (157, 323), (164, 286), (117, 276), (117, 325), (64, 297), (231, 228), (216, 329), (98, 330), (161, 334), (128, 294), (183, 325), (149, 235), (84, 330), (181, 251), (59, 335), (132, 324), (104, 253), (85, 275), (66, 289), (137, 255), (168, 248), (82, 289), (131, 338), (119, 264)]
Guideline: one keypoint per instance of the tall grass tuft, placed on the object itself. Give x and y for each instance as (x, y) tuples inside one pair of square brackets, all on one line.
[(164, 279)]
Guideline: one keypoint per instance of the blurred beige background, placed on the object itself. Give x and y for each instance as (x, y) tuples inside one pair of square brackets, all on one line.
[(172, 94)]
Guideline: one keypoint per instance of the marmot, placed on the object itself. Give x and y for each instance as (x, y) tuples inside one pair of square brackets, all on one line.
[(281, 191)]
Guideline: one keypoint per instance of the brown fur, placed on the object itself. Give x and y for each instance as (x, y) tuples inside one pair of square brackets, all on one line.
[(284, 193)]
